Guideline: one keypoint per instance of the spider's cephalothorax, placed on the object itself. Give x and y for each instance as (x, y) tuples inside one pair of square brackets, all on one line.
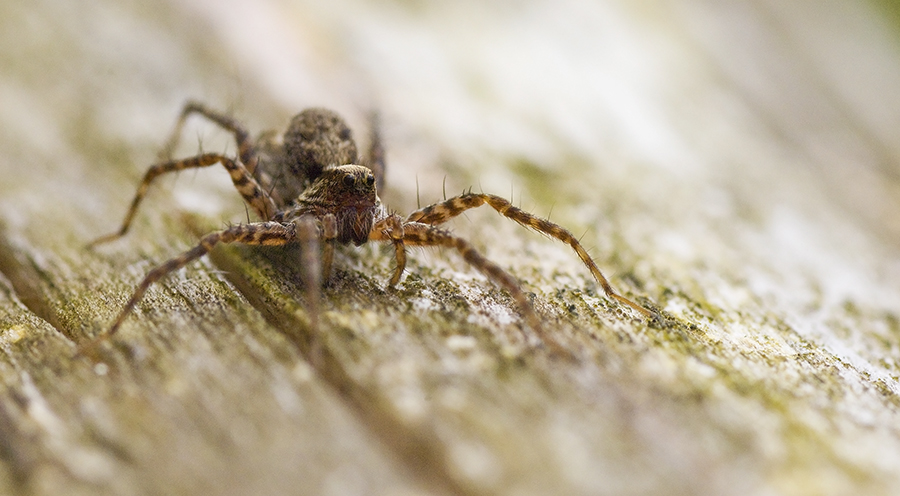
[(306, 190), (348, 193), (315, 139)]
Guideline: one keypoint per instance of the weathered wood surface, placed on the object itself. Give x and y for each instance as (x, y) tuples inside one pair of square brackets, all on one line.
[(733, 165)]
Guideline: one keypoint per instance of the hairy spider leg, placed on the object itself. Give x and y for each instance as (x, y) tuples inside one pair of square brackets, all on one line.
[(246, 150), (312, 264), (419, 234), (253, 194), (375, 160), (329, 235), (390, 228), (443, 211), (258, 233)]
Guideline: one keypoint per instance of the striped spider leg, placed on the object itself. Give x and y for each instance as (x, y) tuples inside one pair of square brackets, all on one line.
[(256, 197), (441, 212), (404, 233), (257, 233)]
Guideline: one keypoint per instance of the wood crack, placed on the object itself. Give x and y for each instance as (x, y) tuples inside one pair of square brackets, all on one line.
[(18, 268)]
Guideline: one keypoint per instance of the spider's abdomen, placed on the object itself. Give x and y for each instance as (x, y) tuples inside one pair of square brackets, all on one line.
[(315, 139)]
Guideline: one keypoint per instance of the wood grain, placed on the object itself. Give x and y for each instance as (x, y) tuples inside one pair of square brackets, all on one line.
[(733, 166)]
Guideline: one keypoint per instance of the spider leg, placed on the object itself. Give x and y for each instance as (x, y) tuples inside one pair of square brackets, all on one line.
[(390, 229), (269, 143), (446, 210), (246, 150), (329, 235), (375, 160), (247, 186), (418, 234), (307, 234), (259, 233)]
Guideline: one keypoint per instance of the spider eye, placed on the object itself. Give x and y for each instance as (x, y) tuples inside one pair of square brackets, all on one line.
[(349, 180), (370, 180)]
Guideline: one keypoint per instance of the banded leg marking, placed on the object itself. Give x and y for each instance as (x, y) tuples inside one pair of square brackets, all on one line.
[(443, 211), (246, 150), (260, 233), (391, 229), (246, 185)]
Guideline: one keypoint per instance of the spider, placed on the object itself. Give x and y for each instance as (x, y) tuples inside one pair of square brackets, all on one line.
[(306, 189)]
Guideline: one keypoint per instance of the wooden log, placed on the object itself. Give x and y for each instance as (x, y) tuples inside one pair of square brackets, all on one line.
[(732, 166)]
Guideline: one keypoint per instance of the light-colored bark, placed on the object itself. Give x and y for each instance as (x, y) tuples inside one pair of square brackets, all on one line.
[(732, 165)]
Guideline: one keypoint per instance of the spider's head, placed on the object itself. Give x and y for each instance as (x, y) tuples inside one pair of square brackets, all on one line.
[(348, 193), (349, 185), (342, 186)]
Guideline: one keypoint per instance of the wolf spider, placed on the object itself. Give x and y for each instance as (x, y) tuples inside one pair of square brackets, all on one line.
[(306, 191)]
